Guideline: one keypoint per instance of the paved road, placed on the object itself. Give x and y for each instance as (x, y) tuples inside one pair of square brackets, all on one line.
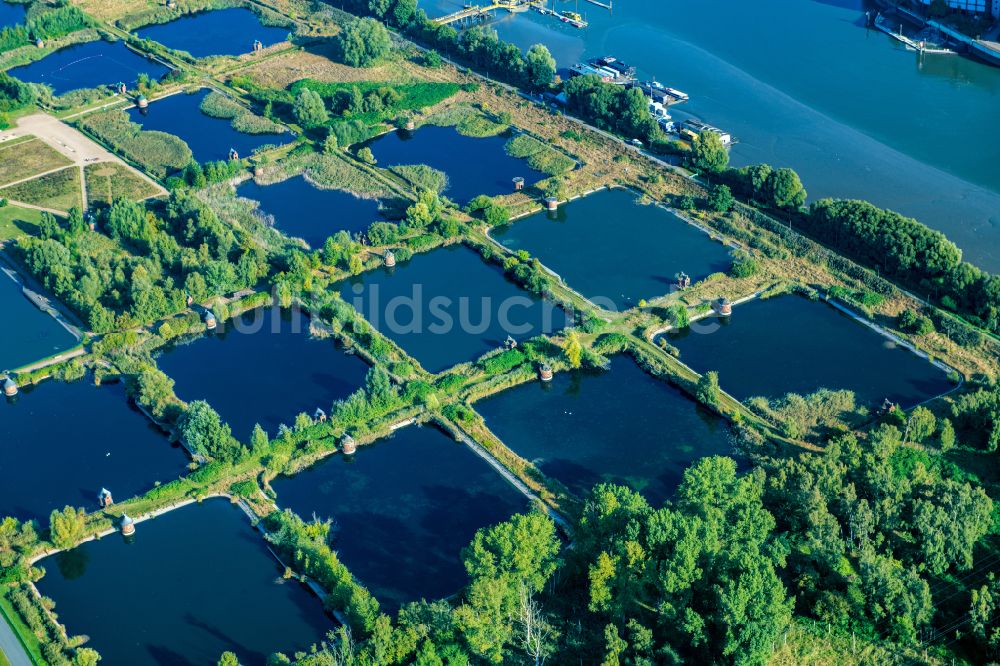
[(11, 647)]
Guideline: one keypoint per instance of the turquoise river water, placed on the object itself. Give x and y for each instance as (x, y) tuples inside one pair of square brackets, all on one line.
[(804, 84)]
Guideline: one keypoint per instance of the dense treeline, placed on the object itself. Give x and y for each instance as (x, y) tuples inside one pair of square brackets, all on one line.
[(610, 107), (185, 251), (479, 45), (14, 96), (48, 24), (909, 252), (899, 247), (57, 22), (870, 526), (374, 102), (862, 533), (54, 647), (977, 418), (346, 112), (307, 547), (199, 175)]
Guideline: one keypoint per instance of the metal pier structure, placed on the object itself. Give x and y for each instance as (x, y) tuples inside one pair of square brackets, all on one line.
[(478, 11), (921, 47), (474, 12)]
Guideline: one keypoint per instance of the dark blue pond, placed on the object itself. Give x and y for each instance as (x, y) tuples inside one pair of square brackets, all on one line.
[(615, 426), (10, 14), (209, 138), (449, 306), (474, 166), (63, 442), (311, 213), (405, 508), (262, 367), (592, 244), (214, 33), (27, 334), (788, 344), (190, 585), (88, 65)]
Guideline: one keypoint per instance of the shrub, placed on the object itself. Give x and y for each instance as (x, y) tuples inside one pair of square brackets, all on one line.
[(708, 389), (459, 413), (496, 215), (909, 321), (431, 59), (14, 95), (364, 42), (679, 317), (720, 199), (383, 233), (503, 362), (366, 155), (744, 266), (870, 299), (57, 22), (611, 343), (819, 414)]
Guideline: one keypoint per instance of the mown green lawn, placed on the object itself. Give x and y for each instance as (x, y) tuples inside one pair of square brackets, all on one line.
[(16, 222)]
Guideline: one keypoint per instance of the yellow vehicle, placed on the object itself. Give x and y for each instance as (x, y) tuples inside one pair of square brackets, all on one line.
[(572, 16), (688, 134)]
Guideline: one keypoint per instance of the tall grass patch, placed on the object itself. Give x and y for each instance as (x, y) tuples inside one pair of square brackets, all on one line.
[(158, 153), (539, 156), (27, 159), (423, 177), (241, 119), (467, 121), (108, 181), (59, 190)]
